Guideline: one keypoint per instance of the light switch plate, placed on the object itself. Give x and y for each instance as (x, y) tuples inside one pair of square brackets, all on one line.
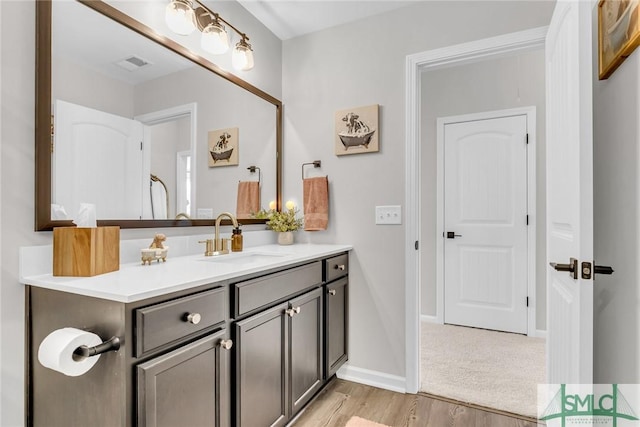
[(388, 215), (204, 213)]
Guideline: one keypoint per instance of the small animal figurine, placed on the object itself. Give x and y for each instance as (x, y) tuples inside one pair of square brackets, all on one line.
[(157, 241)]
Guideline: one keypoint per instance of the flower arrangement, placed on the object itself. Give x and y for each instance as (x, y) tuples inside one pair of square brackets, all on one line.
[(281, 221)]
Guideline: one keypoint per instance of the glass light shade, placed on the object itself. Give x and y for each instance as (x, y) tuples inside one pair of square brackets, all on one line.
[(214, 39), (242, 58), (180, 18)]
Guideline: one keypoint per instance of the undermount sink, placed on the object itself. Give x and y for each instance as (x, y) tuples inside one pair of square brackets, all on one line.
[(245, 257)]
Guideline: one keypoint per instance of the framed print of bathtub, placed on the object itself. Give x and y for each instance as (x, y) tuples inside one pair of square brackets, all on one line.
[(223, 147), (618, 33), (357, 130)]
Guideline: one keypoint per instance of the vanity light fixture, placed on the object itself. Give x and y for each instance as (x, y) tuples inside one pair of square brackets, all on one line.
[(184, 16)]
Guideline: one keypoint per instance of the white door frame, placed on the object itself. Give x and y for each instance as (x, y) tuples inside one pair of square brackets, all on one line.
[(460, 54), (530, 112), (174, 113)]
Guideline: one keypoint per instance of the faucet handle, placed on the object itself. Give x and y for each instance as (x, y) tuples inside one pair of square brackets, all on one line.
[(208, 248)]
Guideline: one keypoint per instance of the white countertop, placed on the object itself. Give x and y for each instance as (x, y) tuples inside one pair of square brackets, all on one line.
[(135, 282)]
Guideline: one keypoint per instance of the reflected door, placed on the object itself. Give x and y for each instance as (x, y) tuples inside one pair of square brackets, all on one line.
[(97, 158)]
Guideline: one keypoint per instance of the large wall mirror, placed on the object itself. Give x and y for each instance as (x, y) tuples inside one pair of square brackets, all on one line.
[(138, 125)]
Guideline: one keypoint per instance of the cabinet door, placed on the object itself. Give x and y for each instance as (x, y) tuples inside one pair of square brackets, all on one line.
[(261, 369), (305, 340), (337, 305), (188, 386)]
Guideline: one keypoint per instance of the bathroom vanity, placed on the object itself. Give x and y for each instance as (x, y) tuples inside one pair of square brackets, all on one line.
[(244, 339)]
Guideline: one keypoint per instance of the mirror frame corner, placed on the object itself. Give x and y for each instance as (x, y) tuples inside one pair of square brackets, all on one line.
[(43, 125)]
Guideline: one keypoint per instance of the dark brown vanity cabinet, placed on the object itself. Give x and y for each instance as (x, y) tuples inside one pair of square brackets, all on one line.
[(188, 386), (172, 367), (279, 354), (336, 293), (245, 353)]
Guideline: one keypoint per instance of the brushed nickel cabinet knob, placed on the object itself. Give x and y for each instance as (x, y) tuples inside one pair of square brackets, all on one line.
[(226, 344), (332, 292), (194, 318)]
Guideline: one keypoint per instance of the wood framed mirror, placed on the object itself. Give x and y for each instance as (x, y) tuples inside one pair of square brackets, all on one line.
[(219, 183)]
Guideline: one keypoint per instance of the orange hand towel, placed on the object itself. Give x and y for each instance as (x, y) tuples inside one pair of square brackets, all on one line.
[(248, 199), (315, 192)]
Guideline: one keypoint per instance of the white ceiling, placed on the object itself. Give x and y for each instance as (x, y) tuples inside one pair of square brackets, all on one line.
[(291, 18)]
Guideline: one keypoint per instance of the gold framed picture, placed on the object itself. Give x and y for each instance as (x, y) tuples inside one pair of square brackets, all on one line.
[(357, 131), (618, 33), (223, 147)]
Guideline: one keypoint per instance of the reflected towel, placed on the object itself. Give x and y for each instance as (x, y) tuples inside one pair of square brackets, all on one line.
[(158, 201), (315, 193), (248, 199)]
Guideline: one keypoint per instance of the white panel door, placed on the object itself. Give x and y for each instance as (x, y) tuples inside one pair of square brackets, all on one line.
[(97, 158), (485, 208), (569, 192)]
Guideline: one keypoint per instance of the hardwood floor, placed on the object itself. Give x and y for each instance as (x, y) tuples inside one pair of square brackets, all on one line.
[(342, 399)]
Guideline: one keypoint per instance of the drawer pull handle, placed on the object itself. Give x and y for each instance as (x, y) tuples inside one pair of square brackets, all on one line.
[(332, 292), (292, 311), (226, 344), (340, 267), (194, 318)]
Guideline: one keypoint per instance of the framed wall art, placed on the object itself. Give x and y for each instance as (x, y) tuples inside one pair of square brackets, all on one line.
[(357, 131), (223, 147), (618, 33)]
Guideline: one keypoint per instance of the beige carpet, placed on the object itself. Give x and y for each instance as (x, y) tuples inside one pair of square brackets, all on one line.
[(493, 369), (361, 422)]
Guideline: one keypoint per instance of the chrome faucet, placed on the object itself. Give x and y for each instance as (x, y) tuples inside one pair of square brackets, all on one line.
[(221, 246)]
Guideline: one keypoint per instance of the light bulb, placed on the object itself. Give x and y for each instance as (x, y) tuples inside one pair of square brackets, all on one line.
[(180, 17), (290, 205), (214, 39), (242, 58), (272, 205)]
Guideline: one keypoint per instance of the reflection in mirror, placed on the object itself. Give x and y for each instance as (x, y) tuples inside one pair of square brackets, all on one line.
[(131, 127)]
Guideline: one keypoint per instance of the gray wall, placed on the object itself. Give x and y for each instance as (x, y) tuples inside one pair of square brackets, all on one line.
[(80, 85), (496, 84), (616, 196), (361, 64), (17, 100)]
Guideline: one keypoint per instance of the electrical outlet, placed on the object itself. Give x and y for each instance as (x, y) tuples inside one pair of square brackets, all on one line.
[(204, 213), (388, 215)]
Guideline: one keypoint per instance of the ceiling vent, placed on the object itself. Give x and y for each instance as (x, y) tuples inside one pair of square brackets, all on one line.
[(133, 63)]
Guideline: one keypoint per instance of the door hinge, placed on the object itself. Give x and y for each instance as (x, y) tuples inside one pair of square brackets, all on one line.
[(140, 145), (527, 301), (527, 139), (52, 133), (416, 245), (527, 219)]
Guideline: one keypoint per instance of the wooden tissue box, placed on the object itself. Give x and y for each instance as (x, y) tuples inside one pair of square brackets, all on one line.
[(83, 252)]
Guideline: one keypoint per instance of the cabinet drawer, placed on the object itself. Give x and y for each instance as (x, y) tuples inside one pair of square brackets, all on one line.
[(160, 324), (335, 267), (256, 293)]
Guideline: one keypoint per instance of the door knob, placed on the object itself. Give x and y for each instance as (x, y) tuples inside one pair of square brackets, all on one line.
[(603, 269), (332, 292), (572, 267), (452, 235)]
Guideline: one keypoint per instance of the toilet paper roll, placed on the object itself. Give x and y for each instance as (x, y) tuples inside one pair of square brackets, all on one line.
[(56, 351)]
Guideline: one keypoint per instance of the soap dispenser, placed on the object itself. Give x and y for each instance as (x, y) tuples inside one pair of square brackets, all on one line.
[(236, 240)]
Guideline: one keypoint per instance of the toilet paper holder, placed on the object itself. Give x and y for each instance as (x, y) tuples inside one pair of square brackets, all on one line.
[(83, 352)]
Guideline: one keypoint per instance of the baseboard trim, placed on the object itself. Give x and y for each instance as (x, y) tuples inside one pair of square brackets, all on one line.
[(428, 319), (372, 378), (541, 333)]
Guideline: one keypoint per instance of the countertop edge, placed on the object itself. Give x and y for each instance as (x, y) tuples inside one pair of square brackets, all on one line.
[(98, 287)]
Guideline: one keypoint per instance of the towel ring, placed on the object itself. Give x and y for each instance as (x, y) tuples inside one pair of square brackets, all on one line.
[(252, 169), (315, 163)]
